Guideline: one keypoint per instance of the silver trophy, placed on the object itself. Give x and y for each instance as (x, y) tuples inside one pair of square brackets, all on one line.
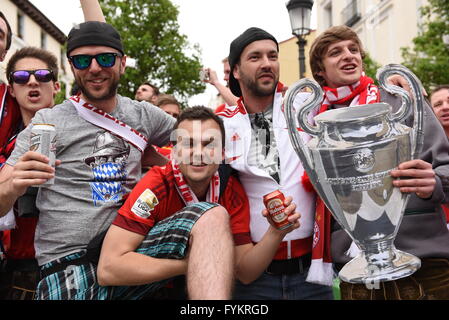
[(349, 160)]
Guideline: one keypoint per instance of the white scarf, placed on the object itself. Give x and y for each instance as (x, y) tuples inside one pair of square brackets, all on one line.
[(104, 120)]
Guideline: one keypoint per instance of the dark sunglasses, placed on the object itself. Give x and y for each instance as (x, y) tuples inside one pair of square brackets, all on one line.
[(23, 76), (83, 61)]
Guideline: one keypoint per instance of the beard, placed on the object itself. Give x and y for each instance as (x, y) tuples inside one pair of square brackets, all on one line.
[(92, 96), (256, 89)]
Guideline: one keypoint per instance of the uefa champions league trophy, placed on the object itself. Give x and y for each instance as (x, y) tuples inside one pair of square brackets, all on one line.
[(349, 159)]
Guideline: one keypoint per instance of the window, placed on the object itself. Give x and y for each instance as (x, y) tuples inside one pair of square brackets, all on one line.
[(351, 13), (63, 58), (43, 40), (20, 25), (328, 15)]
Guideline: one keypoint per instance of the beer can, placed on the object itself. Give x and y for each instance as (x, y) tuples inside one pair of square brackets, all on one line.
[(274, 202), (43, 141)]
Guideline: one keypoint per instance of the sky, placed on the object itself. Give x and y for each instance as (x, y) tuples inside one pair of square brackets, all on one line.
[(212, 24)]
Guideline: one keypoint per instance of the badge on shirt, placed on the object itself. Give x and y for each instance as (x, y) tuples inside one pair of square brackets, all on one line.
[(145, 204)]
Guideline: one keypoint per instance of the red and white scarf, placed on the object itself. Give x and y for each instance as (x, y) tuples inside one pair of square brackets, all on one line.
[(362, 92), (10, 121), (104, 120), (186, 192)]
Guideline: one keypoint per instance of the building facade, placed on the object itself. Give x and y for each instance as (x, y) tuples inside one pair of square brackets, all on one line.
[(289, 59), (384, 26), (30, 27)]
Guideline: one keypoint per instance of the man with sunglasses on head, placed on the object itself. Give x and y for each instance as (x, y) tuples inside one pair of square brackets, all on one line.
[(100, 140), (32, 75)]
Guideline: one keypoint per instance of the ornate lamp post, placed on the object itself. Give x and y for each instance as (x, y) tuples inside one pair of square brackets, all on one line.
[(300, 12)]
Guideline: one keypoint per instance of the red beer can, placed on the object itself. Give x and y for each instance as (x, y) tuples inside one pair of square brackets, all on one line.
[(274, 202)]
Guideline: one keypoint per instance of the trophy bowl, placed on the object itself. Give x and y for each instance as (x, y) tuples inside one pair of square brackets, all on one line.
[(349, 160)]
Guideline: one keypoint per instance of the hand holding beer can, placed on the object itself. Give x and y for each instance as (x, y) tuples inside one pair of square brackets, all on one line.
[(43, 141), (274, 202)]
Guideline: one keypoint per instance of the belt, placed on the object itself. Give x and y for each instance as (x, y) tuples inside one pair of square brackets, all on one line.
[(60, 266), (290, 266)]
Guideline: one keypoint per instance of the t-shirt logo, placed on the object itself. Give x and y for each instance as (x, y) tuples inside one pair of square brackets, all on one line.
[(108, 164), (145, 204)]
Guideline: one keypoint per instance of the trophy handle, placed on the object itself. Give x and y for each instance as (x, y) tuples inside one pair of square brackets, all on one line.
[(312, 102), (417, 102)]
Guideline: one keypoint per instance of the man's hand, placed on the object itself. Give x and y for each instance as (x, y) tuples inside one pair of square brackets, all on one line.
[(293, 216), (420, 178), (399, 81), (32, 169), (213, 78)]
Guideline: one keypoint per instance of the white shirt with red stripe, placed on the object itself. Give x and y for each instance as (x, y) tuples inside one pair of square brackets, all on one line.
[(258, 182)]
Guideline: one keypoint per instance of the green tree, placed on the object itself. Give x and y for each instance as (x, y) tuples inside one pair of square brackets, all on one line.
[(429, 57), (150, 34)]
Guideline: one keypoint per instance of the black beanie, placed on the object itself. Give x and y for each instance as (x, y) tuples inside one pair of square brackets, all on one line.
[(236, 49), (94, 33)]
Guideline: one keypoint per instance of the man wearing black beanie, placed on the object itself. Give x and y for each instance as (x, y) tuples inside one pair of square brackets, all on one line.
[(100, 138), (259, 149)]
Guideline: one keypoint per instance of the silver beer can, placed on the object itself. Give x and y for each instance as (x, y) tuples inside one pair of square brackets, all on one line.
[(43, 141)]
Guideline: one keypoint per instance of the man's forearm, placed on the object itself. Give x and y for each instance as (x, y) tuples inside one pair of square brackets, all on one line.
[(92, 10), (227, 95), (256, 260), (134, 268)]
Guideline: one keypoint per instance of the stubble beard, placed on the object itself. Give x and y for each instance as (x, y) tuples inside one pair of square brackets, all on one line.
[(258, 90), (92, 97)]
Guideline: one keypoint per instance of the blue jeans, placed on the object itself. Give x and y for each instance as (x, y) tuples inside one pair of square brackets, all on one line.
[(282, 287)]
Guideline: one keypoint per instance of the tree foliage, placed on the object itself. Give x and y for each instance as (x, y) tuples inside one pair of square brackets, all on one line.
[(150, 34), (370, 67), (429, 56)]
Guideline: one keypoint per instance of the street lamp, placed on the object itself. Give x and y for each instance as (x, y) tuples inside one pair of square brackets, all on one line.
[(300, 12)]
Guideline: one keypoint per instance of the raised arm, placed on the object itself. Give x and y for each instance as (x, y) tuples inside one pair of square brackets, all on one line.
[(92, 10), (224, 91)]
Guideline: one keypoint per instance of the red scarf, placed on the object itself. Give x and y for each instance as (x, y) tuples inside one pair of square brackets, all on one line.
[(362, 92), (10, 120)]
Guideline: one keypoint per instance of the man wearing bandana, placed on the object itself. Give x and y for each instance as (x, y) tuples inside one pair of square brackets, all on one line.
[(100, 163)]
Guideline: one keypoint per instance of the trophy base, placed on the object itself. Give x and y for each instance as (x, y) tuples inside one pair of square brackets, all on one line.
[(359, 271)]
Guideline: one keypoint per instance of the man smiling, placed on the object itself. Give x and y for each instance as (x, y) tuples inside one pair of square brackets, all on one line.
[(140, 248), (70, 216), (336, 61)]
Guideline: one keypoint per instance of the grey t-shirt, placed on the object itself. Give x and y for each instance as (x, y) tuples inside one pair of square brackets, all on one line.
[(97, 170)]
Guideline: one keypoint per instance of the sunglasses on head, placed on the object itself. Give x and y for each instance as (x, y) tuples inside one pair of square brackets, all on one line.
[(23, 76), (83, 61)]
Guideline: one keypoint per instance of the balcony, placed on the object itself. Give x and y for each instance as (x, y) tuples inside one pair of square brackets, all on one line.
[(351, 13)]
